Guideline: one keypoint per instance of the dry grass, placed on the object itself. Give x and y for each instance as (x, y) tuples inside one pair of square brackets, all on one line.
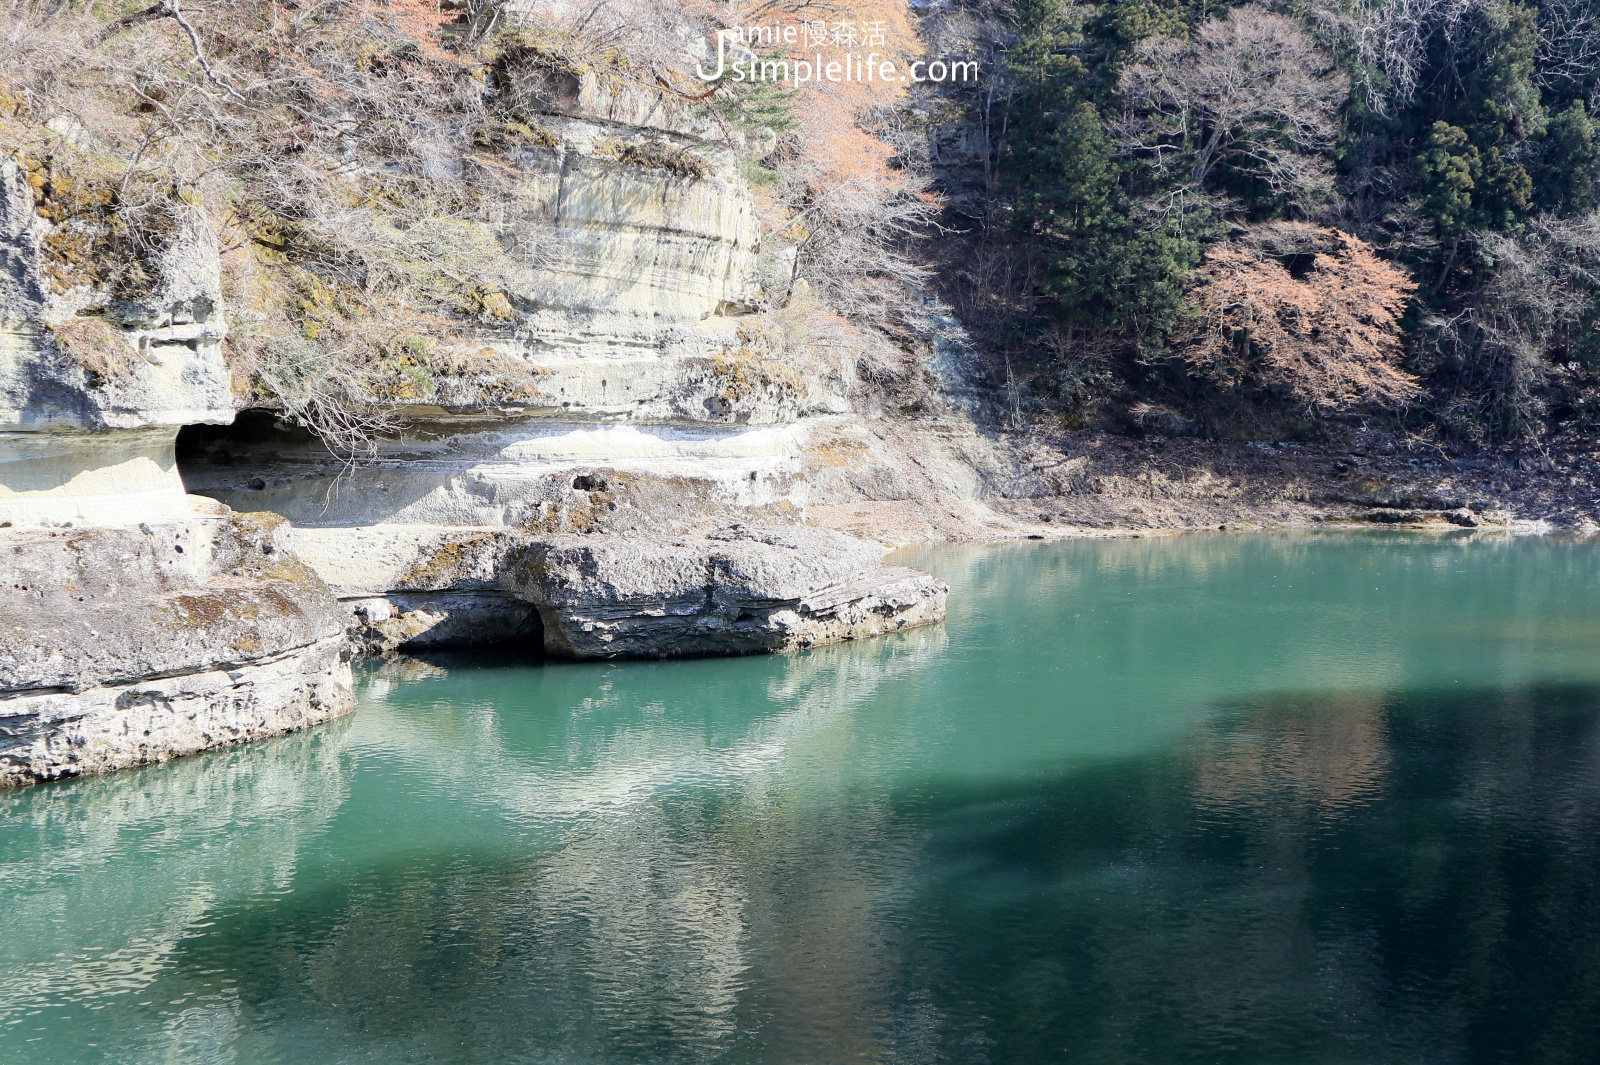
[(100, 348)]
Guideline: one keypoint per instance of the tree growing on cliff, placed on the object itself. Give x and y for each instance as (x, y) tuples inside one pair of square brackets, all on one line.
[(1525, 345), (1304, 312)]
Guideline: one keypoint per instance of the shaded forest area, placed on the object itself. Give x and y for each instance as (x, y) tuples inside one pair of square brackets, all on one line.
[(1265, 222)]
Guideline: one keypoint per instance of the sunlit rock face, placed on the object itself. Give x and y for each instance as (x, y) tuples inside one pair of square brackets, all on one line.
[(634, 312), (125, 646), (637, 241), (93, 388), (640, 274), (137, 623), (739, 590), (542, 475), (734, 590), (90, 478), (637, 293), (665, 407)]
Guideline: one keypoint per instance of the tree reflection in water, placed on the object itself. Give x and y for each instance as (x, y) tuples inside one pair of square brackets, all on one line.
[(1140, 802)]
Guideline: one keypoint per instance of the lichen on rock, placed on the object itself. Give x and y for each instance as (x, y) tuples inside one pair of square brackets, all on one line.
[(124, 646)]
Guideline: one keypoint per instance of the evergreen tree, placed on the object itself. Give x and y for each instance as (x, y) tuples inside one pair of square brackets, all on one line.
[(1474, 129), (1568, 177), (1108, 261)]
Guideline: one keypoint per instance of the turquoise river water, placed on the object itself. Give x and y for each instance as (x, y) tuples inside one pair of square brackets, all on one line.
[(1321, 798)]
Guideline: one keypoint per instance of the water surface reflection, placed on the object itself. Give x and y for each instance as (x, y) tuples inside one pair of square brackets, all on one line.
[(1214, 799)]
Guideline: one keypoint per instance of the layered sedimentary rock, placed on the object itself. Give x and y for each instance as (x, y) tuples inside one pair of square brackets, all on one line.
[(137, 622), (643, 594), (90, 403), (735, 590), (666, 400), (125, 646), (651, 374), (423, 587), (668, 404), (739, 590), (541, 474)]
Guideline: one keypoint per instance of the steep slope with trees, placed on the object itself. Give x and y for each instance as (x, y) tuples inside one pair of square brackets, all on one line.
[(1139, 145), (1147, 221)]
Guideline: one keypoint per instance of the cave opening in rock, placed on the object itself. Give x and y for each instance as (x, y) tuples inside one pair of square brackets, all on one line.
[(408, 588), (233, 463)]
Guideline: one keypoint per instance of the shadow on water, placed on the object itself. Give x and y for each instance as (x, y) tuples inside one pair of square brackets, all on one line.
[(1104, 816), (1380, 877)]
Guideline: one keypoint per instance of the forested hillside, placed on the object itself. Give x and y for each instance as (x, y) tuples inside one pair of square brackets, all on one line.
[(1258, 220), (1177, 217)]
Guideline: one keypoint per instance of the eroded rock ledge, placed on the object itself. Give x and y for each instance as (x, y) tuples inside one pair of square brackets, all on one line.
[(739, 590), (120, 647)]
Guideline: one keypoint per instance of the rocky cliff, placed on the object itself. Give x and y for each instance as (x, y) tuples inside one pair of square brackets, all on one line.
[(673, 397), (137, 622), (644, 494), (122, 646), (361, 331)]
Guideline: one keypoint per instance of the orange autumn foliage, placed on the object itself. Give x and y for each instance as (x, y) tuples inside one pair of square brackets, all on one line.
[(300, 42), (1304, 311), (830, 112), (415, 20)]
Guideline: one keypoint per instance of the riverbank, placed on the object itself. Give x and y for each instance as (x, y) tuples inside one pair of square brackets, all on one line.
[(1096, 484)]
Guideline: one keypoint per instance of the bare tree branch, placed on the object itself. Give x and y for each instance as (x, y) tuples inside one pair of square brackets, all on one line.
[(1250, 93)]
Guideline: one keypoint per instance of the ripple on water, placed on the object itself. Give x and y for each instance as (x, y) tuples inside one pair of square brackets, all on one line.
[(1271, 799)]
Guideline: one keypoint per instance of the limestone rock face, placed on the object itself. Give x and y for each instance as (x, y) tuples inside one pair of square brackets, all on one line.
[(137, 623), (422, 587), (85, 359), (630, 300), (76, 365), (588, 95), (665, 396), (736, 590), (740, 590), (123, 646), (640, 242), (547, 475)]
